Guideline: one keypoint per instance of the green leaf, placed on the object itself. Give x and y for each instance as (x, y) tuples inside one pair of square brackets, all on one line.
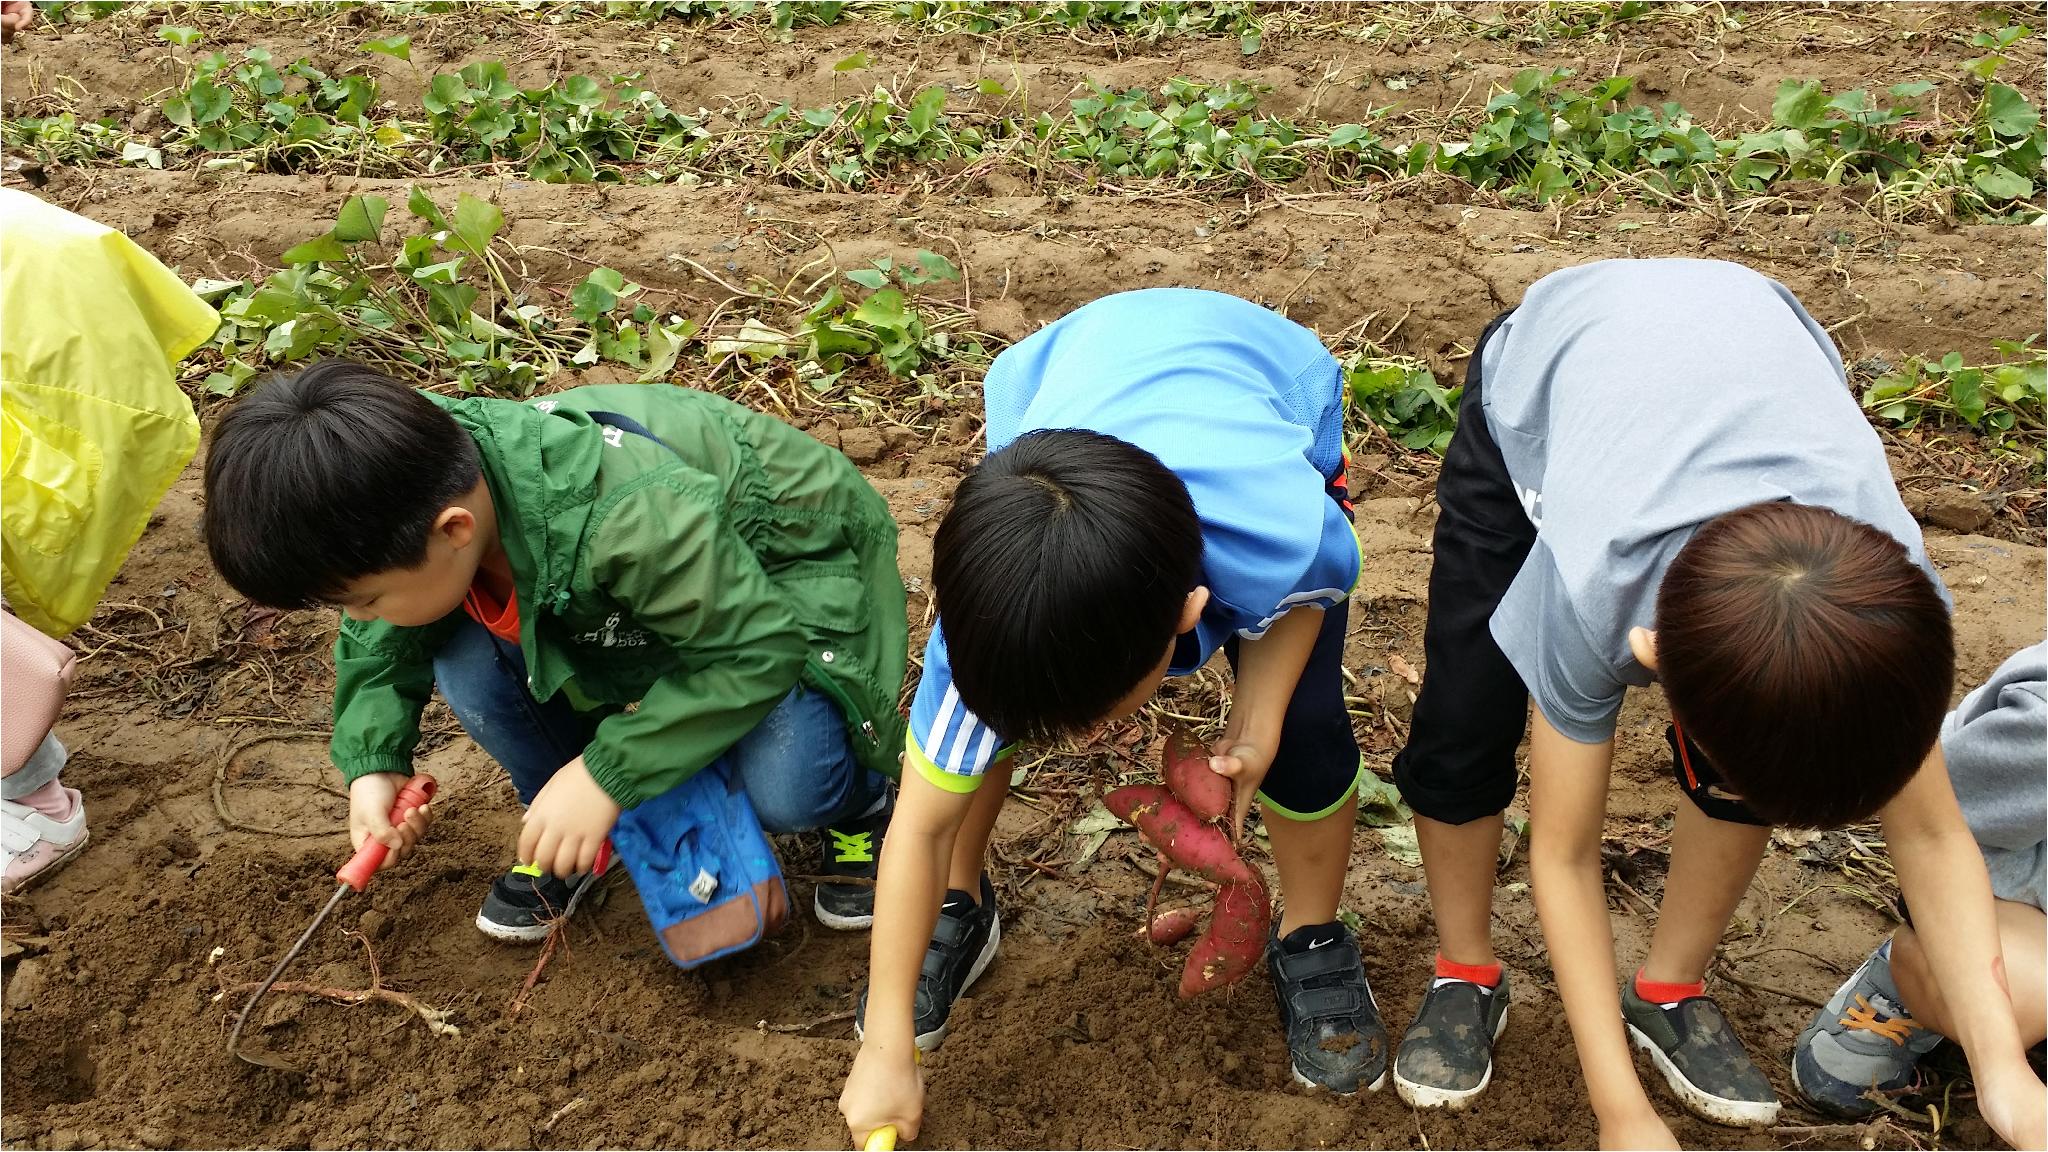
[(582, 91), (209, 101), (854, 63), (885, 311), (136, 152), (2000, 183), (422, 205), (399, 46), (1379, 802), (1399, 842), (2009, 113), (925, 109), (182, 37), (1912, 89), (444, 94), (361, 218), (1799, 104), (476, 221), (319, 249), (1966, 392), (1248, 42), (868, 277), (592, 300), (933, 267)]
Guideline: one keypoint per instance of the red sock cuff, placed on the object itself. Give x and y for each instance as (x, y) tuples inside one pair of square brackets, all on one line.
[(1484, 975), (1660, 993)]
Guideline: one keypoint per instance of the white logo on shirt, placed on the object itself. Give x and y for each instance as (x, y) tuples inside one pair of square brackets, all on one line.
[(1532, 504), (545, 405), (614, 436), (612, 636)]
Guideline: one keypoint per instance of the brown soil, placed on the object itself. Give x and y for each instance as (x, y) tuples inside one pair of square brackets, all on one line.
[(112, 1005)]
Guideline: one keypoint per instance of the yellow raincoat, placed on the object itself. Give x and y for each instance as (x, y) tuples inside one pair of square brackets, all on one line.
[(93, 427)]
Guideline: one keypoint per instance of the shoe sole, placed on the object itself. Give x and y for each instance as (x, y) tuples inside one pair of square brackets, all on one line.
[(928, 1042), (1700, 1102), (840, 923), (1449, 1099), (50, 869)]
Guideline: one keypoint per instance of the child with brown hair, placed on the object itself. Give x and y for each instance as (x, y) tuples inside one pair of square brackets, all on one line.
[(1660, 475)]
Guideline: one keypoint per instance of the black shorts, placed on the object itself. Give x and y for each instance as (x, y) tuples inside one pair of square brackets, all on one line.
[(1316, 766), (1459, 762)]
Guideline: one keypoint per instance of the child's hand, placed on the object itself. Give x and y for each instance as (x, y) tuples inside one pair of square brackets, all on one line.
[(1246, 764), (883, 1088), (14, 16), (567, 822), (369, 816)]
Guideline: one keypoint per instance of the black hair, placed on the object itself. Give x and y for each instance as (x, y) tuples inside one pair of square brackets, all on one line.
[(1061, 570), (319, 478)]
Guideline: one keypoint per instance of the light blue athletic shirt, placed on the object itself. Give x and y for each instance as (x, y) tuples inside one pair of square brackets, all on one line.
[(1633, 401), (1243, 405)]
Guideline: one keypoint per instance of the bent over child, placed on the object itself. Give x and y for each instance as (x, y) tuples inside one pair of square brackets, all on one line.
[(1165, 480), (1868, 1040), (1660, 474), (612, 586)]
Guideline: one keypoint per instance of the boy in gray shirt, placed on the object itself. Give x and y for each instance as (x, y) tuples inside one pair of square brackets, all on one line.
[(1891, 1012), (1659, 474)]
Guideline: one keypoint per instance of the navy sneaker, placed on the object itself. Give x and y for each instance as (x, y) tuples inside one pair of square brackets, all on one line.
[(1334, 1035), (1864, 1041), (964, 941), (525, 902)]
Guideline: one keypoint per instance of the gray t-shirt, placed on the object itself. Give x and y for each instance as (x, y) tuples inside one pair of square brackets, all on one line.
[(1634, 400), (1996, 745)]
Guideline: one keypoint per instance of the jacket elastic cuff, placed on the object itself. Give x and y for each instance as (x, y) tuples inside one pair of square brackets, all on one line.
[(605, 767), (354, 768)]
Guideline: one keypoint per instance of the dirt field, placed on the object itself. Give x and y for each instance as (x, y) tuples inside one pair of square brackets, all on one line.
[(215, 818)]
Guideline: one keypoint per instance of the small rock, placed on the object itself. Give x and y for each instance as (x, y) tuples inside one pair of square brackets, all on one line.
[(374, 924), (861, 445), (1951, 506), (115, 1022), (26, 982)]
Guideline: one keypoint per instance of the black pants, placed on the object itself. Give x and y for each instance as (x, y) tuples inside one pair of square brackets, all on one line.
[(1459, 763), (1317, 763)]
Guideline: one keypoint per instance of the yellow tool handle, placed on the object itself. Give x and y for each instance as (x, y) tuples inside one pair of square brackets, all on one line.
[(882, 1139)]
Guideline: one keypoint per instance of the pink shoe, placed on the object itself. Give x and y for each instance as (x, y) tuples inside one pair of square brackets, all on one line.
[(38, 844)]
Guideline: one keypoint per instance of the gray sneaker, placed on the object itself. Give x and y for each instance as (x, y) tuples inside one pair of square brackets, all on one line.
[(1700, 1057), (1864, 1040), (1446, 1057)]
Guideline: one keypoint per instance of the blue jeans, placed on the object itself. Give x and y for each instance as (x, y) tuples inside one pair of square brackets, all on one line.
[(797, 765)]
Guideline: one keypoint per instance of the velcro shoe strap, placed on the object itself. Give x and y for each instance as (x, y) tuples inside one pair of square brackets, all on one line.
[(1326, 1003), (1330, 959)]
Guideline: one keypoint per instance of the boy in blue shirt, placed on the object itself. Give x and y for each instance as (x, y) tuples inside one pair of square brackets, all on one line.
[(1165, 479)]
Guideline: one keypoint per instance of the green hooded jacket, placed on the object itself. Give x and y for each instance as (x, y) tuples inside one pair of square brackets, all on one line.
[(675, 590)]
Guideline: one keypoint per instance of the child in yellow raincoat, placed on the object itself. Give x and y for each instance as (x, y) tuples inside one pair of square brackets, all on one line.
[(93, 430)]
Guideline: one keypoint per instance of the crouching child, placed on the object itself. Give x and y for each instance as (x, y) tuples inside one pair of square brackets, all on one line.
[(615, 588)]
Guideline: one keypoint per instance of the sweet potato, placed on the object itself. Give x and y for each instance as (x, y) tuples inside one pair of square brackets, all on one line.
[(1188, 775), (1173, 925), (1186, 839), (1232, 945)]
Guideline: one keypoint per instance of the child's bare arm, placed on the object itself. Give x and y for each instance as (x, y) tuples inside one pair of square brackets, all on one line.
[(1268, 670), (883, 1086), (1942, 876), (1567, 809)]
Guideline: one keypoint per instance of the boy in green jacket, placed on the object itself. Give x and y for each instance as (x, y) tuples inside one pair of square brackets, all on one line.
[(612, 586)]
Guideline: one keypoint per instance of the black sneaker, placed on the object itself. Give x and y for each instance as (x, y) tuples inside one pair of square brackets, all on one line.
[(853, 849), (524, 902), (963, 942), (1334, 1034), (1446, 1057), (1702, 1060)]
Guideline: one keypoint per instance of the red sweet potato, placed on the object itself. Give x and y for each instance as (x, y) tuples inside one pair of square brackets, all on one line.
[(1173, 925), (1186, 839), (1231, 946), (1188, 774)]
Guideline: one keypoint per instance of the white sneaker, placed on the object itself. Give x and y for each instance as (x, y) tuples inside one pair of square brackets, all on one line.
[(37, 845)]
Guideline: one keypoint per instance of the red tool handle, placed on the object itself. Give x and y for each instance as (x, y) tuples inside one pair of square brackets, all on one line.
[(364, 864)]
